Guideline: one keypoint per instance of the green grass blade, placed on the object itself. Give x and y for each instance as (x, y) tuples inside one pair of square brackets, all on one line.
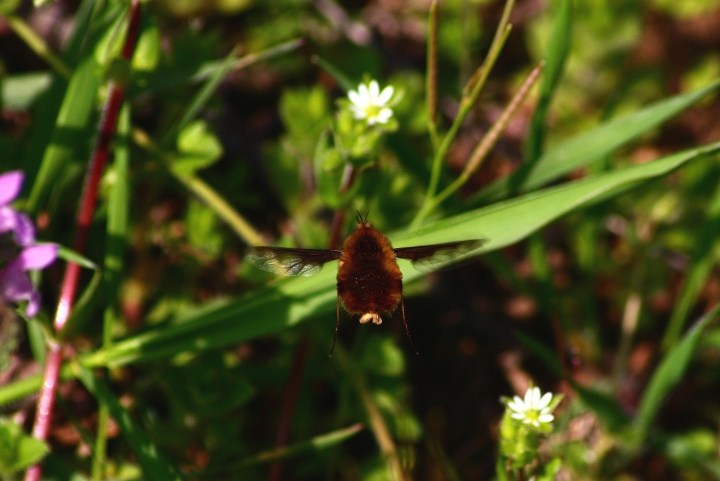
[(605, 407), (698, 273), (291, 301), (19, 91), (588, 147), (558, 48), (70, 131), (23, 388), (318, 443), (154, 466), (117, 210), (669, 373), (117, 228), (202, 97), (159, 80)]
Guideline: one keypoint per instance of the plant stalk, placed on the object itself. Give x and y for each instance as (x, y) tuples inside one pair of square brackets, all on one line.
[(108, 125)]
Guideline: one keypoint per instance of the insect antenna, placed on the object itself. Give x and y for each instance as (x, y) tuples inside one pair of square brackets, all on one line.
[(337, 327), (360, 219), (407, 331)]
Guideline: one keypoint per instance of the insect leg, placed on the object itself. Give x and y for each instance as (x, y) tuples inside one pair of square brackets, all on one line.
[(402, 308), (337, 326)]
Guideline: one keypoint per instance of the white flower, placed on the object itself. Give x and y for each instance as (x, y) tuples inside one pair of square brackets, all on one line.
[(533, 409), (368, 102)]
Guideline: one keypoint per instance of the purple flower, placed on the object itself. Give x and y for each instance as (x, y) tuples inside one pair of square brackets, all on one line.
[(11, 220), (18, 251)]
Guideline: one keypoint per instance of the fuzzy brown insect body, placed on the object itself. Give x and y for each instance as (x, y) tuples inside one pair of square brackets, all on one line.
[(369, 280)]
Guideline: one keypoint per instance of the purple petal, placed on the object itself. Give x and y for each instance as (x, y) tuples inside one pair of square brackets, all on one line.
[(8, 219), (15, 285), (38, 256), (33, 306), (10, 184), (24, 230)]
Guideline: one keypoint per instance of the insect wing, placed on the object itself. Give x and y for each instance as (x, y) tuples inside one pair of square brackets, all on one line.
[(434, 255), (291, 262)]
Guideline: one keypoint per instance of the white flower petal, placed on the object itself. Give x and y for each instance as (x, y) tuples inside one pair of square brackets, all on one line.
[(546, 418), (355, 97), (386, 94), (545, 400), (364, 93), (529, 397), (374, 90), (516, 404), (367, 102), (384, 115), (517, 415)]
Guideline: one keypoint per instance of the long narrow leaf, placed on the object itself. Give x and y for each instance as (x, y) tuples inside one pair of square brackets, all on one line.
[(318, 443), (295, 300), (668, 374), (585, 148), (70, 130), (154, 466), (558, 48), (697, 274)]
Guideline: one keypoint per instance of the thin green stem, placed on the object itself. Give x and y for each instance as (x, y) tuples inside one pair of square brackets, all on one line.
[(117, 226), (470, 95), (209, 69), (377, 423), (208, 195), (484, 146), (38, 45), (202, 97), (431, 91), (214, 73)]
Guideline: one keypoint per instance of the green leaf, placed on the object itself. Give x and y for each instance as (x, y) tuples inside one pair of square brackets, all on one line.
[(305, 114), (703, 262), (543, 352), (69, 255), (147, 51), (154, 465), (588, 147), (69, 135), (198, 146), (329, 168), (8, 6), (558, 48), (19, 91), (204, 234), (118, 206), (382, 356), (18, 450), (343, 80), (669, 373), (201, 98), (315, 444), (291, 301), (605, 407)]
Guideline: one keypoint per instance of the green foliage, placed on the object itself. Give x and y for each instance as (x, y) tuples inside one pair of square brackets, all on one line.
[(198, 148), (603, 238), (17, 449)]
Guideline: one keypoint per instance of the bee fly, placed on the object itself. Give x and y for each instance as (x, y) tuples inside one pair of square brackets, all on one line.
[(369, 281)]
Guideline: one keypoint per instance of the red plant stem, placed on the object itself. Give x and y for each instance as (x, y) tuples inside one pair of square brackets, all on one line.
[(298, 365), (108, 124)]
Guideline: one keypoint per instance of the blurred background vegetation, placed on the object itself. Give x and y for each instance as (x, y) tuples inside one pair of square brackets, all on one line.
[(235, 96)]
